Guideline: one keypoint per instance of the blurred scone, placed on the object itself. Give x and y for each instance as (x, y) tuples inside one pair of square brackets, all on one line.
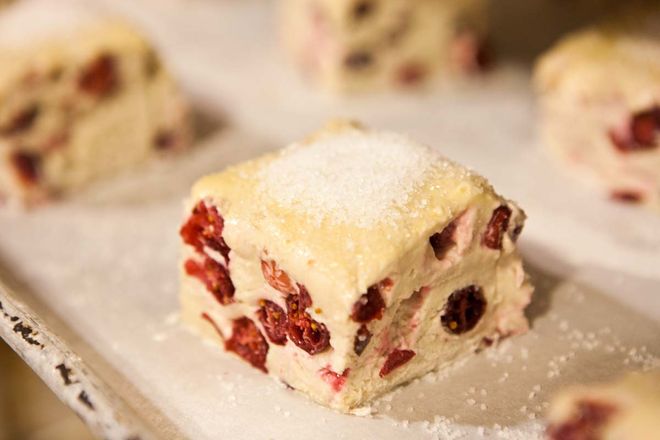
[(349, 45), (626, 409), (81, 96), (600, 97)]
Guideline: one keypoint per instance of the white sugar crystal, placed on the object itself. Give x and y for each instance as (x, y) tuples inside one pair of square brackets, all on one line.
[(359, 177)]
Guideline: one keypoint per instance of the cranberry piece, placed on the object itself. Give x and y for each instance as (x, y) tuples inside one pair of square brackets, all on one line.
[(363, 9), (441, 242), (626, 196), (100, 77), (394, 360), (214, 276), (22, 121), (472, 53), (336, 380), (248, 342), (640, 134), (586, 423), (411, 74), (358, 60), (306, 333), (463, 310), (362, 338), (498, 224), (370, 306), (165, 140), (277, 278), (644, 126), (274, 321), (27, 166), (204, 228)]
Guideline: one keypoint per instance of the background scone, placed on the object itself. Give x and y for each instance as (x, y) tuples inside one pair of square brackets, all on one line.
[(626, 409), (349, 45), (81, 96), (600, 96), (352, 262)]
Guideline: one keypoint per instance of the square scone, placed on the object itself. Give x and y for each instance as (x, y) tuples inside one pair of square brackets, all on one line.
[(83, 95), (356, 45), (599, 93), (351, 262)]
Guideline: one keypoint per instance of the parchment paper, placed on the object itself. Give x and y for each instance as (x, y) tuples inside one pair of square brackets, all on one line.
[(105, 260)]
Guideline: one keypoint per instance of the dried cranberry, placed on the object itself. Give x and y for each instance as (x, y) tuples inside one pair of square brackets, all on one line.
[(165, 140), (370, 306), (306, 333), (274, 321), (586, 423), (204, 228), (626, 196), (27, 166), (442, 241), (497, 226), (277, 278), (100, 77), (640, 134), (248, 342), (471, 52), (336, 380), (22, 121), (463, 310), (411, 74), (214, 276), (394, 360), (363, 9), (362, 338), (358, 60)]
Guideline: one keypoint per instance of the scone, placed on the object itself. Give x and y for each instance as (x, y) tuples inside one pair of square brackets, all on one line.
[(82, 96), (626, 409), (600, 98), (351, 262), (349, 45)]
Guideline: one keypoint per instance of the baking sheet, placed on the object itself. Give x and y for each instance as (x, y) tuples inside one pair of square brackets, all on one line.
[(105, 260)]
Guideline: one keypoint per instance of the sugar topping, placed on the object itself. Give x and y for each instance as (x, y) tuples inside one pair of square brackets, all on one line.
[(32, 20), (356, 177)]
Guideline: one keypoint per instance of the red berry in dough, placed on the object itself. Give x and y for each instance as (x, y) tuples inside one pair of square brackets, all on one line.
[(100, 78), (204, 228), (306, 333), (463, 310), (394, 360), (214, 276), (248, 342), (277, 278), (586, 424), (274, 320), (497, 226), (370, 306), (442, 241)]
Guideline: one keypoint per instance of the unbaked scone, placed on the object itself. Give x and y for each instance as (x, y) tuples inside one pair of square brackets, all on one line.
[(352, 45), (600, 98), (82, 96), (351, 262)]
